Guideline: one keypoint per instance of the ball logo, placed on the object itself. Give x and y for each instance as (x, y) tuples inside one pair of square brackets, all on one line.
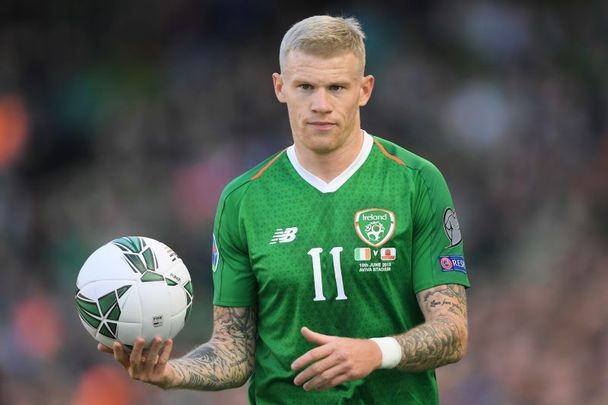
[(375, 226), (451, 227), (157, 321)]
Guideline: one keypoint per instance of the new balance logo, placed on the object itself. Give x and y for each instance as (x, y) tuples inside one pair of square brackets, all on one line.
[(284, 235)]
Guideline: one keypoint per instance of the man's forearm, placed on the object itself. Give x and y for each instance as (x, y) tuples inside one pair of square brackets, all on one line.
[(227, 360), (210, 367), (442, 339), (430, 345)]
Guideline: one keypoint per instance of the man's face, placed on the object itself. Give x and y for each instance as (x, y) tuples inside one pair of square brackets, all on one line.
[(323, 95)]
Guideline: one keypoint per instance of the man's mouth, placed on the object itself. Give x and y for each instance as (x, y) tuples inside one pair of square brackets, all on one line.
[(322, 125)]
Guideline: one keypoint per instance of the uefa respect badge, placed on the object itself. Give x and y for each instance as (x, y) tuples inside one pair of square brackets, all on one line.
[(452, 263), (375, 226)]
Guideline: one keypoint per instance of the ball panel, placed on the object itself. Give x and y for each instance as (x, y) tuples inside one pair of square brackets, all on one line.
[(92, 331), (164, 254), (130, 305), (128, 332), (106, 341), (177, 299), (107, 263), (177, 272), (177, 322), (155, 298)]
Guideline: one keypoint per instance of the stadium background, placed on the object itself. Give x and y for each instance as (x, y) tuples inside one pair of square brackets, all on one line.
[(121, 118)]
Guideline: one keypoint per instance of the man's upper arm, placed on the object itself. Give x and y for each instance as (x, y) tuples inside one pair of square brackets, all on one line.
[(234, 281), (444, 300), (437, 249)]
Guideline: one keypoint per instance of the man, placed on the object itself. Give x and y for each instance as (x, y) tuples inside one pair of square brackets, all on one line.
[(340, 238)]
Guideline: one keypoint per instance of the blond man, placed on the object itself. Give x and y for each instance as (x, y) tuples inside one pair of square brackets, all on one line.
[(338, 269)]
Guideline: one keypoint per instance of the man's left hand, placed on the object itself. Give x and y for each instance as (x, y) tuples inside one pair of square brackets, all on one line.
[(335, 360)]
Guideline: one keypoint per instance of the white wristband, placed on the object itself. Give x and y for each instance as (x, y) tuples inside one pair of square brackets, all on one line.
[(391, 351)]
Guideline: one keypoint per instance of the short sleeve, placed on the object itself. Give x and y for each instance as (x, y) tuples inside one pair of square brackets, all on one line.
[(438, 252), (234, 282)]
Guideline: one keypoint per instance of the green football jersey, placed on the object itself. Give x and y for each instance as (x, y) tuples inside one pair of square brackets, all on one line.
[(344, 258)]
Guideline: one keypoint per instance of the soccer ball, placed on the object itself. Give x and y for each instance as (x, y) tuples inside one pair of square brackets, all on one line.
[(133, 286)]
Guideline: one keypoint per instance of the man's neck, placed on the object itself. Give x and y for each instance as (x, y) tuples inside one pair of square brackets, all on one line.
[(330, 165)]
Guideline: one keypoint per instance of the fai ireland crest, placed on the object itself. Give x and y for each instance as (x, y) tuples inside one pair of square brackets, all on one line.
[(375, 226)]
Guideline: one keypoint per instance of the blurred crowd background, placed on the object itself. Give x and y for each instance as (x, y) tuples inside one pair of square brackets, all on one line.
[(128, 118)]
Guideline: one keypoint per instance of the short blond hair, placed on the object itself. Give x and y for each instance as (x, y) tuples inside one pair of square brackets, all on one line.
[(326, 36)]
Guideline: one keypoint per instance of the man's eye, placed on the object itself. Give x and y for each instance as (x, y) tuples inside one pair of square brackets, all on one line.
[(305, 86), (336, 87)]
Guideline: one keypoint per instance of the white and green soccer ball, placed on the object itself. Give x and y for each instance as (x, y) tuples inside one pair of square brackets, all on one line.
[(133, 286)]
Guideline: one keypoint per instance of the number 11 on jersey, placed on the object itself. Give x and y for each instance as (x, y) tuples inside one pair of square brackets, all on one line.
[(315, 253)]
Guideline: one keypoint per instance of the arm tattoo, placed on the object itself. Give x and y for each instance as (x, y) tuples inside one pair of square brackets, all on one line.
[(442, 338), (227, 360)]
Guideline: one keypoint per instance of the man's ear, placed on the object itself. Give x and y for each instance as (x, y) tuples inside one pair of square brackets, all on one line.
[(277, 82), (366, 90)]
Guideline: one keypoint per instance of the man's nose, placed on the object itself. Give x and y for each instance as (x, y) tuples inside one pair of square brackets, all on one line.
[(321, 102)]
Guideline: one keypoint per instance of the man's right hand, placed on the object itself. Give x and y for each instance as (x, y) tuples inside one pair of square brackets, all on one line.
[(150, 366)]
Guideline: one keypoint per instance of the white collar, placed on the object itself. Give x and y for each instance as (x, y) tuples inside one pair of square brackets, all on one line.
[(342, 178)]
